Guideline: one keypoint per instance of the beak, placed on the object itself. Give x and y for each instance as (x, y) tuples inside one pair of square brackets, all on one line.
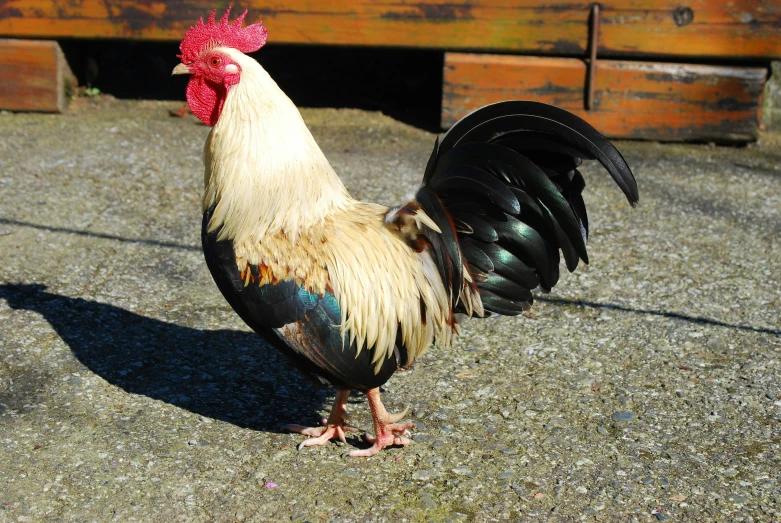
[(181, 69)]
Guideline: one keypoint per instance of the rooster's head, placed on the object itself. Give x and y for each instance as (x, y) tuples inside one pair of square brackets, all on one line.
[(212, 71)]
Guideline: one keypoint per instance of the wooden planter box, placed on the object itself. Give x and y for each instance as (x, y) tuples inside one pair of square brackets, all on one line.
[(34, 76), (684, 31), (673, 28), (647, 100)]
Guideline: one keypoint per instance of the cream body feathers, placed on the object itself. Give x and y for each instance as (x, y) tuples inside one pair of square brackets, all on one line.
[(285, 209)]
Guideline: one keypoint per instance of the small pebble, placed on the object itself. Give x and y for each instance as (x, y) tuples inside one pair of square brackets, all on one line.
[(424, 475), (519, 489), (737, 499), (428, 502), (623, 416)]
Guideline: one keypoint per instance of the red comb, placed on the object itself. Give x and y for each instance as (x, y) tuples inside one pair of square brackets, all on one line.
[(206, 36)]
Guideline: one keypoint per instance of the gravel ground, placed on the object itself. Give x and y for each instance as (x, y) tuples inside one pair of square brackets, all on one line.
[(645, 387)]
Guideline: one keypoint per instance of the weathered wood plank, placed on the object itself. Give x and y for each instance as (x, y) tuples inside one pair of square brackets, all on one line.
[(34, 76), (632, 99), (690, 28)]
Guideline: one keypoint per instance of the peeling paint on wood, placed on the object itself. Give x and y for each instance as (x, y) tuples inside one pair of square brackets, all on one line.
[(686, 28), (34, 76), (670, 102)]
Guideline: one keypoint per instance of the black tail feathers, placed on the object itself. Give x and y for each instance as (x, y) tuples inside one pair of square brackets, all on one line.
[(503, 186)]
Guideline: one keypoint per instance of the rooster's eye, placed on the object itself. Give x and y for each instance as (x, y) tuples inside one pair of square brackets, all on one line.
[(215, 61)]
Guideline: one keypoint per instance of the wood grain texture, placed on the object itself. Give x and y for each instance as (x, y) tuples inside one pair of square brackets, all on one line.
[(632, 99), (34, 76), (688, 28)]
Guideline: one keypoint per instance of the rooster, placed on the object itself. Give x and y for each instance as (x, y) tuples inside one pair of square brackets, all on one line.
[(352, 291)]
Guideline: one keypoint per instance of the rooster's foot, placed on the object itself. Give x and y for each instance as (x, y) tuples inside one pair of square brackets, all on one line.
[(321, 435), (387, 430), (333, 428)]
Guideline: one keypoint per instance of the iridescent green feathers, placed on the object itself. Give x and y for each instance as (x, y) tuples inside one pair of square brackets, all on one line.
[(506, 178)]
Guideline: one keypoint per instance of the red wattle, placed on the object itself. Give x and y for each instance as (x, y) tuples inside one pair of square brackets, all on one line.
[(205, 99)]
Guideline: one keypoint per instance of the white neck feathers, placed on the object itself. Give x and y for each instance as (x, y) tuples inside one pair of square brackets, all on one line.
[(263, 169)]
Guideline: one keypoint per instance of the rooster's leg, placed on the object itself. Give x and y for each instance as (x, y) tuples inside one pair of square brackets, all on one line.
[(386, 429), (333, 427)]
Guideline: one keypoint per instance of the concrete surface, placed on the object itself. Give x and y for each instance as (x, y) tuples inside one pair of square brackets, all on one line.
[(646, 387)]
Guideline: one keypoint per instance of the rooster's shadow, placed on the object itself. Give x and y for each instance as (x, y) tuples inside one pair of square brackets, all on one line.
[(227, 375)]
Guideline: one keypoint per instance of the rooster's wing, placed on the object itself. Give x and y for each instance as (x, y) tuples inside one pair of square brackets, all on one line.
[(303, 325)]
